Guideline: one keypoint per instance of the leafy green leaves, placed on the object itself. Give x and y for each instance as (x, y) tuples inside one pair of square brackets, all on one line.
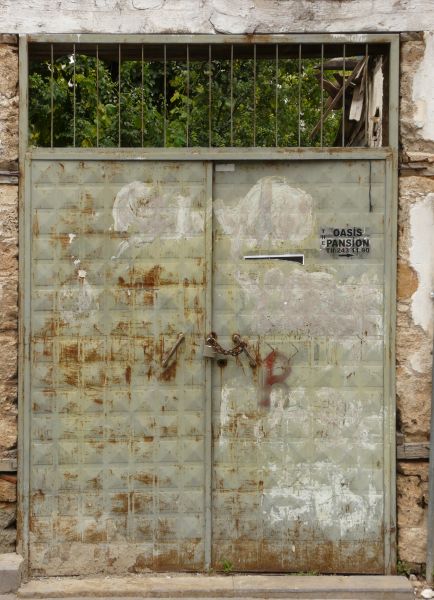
[(243, 108)]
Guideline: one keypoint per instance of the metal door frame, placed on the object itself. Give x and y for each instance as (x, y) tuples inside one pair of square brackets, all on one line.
[(211, 155)]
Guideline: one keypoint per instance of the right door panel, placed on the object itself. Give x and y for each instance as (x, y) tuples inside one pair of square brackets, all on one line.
[(298, 475)]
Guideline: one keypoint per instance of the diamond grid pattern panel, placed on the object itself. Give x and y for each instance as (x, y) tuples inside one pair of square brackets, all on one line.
[(117, 442), (298, 440)]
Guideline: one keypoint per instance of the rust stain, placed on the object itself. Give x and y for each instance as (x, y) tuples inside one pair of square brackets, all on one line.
[(72, 376), (128, 375), (69, 352), (146, 478), (140, 565), (35, 224), (93, 356), (169, 373), (93, 536), (148, 298), (120, 503), (148, 279)]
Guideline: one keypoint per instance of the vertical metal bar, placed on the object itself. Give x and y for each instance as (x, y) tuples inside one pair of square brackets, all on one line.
[(97, 96), (188, 97), (277, 94), (119, 96), (366, 92), (299, 95), (343, 94), (390, 311), (208, 364), (24, 310), (142, 100), (165, 95), (232, 94), (393, 107), (209, 98), (74, 97), (254, 94), (52, 98), (389, 420), (322, 97)]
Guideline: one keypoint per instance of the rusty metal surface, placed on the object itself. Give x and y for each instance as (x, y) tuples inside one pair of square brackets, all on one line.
[(298, 479), (118, 459), (117, 440)]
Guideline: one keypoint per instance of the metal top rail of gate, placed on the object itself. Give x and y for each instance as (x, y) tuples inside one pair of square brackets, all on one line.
[(265, 92)]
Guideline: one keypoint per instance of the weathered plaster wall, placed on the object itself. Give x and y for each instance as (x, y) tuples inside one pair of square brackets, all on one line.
[(8, 292), (212, 16), (415, 282)]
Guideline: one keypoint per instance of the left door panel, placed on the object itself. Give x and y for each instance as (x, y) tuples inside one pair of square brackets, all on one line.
[(118, 271)]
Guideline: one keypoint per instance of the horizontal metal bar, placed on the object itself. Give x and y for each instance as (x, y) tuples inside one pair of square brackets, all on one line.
[(295, 38), (208, 154)]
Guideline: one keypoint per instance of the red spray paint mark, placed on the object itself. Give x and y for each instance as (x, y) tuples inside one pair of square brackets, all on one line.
[(277, 369)]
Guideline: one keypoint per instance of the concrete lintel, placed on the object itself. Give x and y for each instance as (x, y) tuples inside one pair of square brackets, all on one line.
[(11, 566)]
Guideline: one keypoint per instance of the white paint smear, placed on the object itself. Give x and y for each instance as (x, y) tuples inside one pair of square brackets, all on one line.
[(147, 212), (311, 302), (422, 260), (423, 91), (272, 212), (278, 300), (77, 302)]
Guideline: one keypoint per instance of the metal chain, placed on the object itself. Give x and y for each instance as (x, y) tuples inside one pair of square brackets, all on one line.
[(235, 351)]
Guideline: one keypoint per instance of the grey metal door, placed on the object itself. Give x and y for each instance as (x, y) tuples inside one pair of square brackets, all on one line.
[(298, 481), (148, 451), (117, 422)]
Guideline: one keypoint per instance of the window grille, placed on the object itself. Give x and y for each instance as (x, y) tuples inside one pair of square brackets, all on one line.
[(208, 95)]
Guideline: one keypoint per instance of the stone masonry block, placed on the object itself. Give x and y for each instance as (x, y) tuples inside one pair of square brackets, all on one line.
[(11, 568), (412, 494), (8, 431), (8, 102), (8, 362), (8, 491), (412, 544), (9, 302)]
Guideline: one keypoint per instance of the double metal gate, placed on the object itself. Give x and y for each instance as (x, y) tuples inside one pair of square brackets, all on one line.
[(149, 448)]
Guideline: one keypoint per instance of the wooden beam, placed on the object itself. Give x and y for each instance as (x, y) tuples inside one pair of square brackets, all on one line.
[(413, 451), (8, 465)]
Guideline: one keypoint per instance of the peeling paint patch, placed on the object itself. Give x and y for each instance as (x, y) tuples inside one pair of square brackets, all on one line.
[(422, 260)]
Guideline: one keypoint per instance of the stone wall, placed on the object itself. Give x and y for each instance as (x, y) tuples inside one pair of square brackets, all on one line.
[(8, 289), (415, 281)]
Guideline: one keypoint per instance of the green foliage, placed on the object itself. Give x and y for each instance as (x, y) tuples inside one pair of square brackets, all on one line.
[(227, 566), (142, 111), (403, 568)]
